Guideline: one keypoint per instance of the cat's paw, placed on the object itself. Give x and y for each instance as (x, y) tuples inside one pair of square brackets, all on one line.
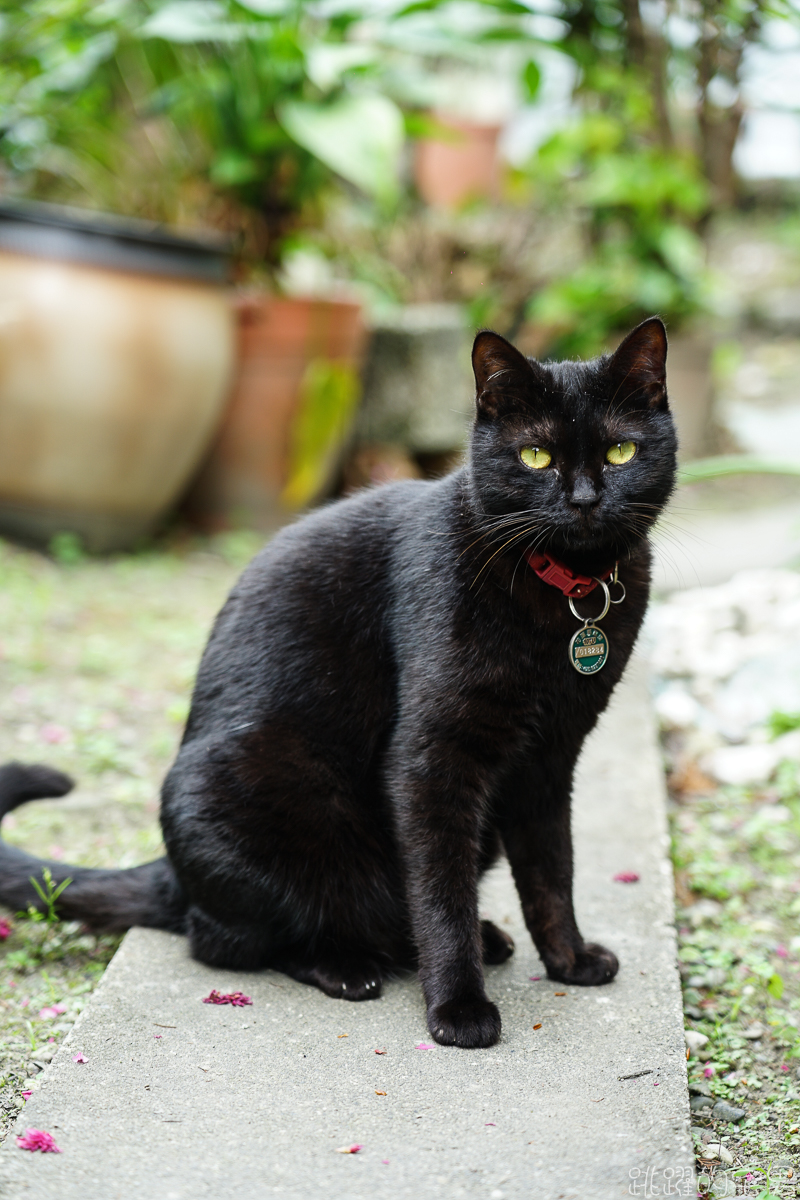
[(591, 966), (344, 979), (497, 945), (472, 1023)]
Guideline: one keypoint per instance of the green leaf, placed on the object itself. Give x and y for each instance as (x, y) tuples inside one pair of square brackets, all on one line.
[(191, 21), (358, 137), (775, 986), (734, 464), (531, 80), (328, 401)]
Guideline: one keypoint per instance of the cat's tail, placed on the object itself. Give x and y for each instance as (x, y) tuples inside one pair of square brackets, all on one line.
[(104, 900)]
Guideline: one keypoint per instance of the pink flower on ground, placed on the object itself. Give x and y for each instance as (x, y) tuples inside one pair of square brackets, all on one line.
[(24, 1003), (237, 999), (26, 1095), (37, 1139), (781, 951), (354, 1149), (5, 931), (53, 734), (79, 1057), (626, 877), (52, 1010), (784, 1067), (384, 1162), (158, 1035), (424, 1046), (534, 978), (709, 1071)]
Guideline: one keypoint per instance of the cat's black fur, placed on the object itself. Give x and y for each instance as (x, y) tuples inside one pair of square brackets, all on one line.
[(386, 702)]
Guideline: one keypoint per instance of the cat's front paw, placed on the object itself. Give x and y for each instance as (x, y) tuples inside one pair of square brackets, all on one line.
[(591, 966), (472, 1023)]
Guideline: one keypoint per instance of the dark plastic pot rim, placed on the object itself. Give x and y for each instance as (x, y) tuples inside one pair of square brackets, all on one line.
[(117, 243)]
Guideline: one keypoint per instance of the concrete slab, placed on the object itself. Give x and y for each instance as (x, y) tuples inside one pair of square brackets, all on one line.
[(183, 1100), (696, 548)]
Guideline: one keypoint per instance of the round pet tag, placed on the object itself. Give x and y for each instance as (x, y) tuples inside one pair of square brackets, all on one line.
[(588, 650)]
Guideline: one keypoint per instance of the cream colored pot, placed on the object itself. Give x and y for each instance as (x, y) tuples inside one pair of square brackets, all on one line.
[(116, 355)]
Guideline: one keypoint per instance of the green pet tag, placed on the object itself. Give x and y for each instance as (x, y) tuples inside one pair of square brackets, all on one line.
[(588, 650)]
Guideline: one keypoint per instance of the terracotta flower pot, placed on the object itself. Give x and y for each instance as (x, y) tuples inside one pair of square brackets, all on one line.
[(449, 172), (243, 481), (116, 353)]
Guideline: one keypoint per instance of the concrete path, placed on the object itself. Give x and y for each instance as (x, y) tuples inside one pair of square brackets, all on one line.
[(180, 1100), (697, 548)]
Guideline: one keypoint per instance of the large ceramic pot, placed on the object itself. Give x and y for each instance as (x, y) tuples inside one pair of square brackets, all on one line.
[(281, 340), (116, 354)]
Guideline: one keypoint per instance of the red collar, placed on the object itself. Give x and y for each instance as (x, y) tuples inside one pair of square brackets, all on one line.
[(559, 575)]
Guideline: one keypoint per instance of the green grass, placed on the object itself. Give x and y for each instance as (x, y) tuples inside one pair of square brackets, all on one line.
[(97, 660), (737, 859)]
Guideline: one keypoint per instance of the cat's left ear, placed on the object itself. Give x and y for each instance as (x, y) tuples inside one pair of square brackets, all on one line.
[(503, 377), (638, 366)]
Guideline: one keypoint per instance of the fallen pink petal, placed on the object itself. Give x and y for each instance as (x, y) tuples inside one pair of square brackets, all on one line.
[(784, 1067), (354, 1149), (52, 1010), (626, 877), (424, 1046), (5, 929), (26, 1095), (781, 952), (487, 1123), (158, 1035), (53, 734), (38, 1139), (79, 1057), (237, 999), (534, 978), (709, 1071)]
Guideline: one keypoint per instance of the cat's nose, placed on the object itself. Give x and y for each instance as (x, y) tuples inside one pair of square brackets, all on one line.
[(584, 495)]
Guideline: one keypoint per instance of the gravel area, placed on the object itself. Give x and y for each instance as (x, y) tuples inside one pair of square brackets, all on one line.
[(97, 660), (728, 699)]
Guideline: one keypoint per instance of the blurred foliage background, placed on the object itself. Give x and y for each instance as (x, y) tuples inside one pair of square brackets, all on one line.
[(292, 126)]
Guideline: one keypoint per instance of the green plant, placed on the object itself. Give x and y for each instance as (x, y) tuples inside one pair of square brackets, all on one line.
[(48, 895)]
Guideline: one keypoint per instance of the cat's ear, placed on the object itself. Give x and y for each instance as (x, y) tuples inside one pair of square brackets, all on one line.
[(503, 376), (638, 366)]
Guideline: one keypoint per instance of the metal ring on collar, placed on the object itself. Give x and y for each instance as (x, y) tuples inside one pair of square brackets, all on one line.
[(578, 616)]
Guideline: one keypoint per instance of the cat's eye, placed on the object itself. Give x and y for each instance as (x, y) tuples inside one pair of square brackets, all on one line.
[(535, 457), (620, 453)]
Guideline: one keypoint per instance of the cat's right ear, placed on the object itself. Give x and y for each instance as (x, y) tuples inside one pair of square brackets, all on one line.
[(503, 376)]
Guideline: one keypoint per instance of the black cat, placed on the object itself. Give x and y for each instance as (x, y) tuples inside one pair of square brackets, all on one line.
[(388, 698)]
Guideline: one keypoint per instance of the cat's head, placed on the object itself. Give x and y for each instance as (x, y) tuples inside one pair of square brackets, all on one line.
[(583, 452)]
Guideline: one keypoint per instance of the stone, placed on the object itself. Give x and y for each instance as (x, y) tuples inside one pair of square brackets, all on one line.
[(694, 1040), (743, 766), (42, 1054), (700, 1087), (723, 1111), (754, 1031), (701, 1103)]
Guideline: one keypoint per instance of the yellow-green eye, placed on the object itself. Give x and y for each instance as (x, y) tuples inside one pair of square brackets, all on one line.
[(534, 456), (621, 453)]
